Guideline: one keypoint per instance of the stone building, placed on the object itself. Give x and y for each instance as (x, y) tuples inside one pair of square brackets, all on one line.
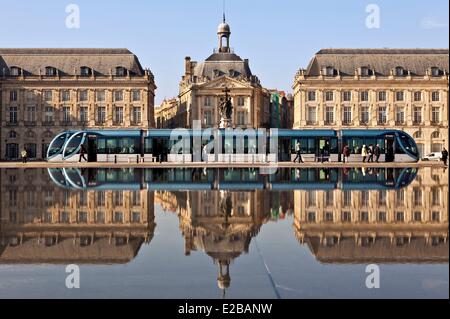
[(166, 115), (404, 89), (47, 91), (202, 86)]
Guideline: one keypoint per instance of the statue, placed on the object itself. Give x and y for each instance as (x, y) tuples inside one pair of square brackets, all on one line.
[(226, 109)]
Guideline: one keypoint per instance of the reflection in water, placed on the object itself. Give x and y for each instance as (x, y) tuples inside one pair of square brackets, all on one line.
[(103, 216)]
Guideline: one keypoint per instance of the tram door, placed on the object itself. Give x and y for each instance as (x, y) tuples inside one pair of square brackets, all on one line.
[(390, 147), (92, 148), (323, 150)]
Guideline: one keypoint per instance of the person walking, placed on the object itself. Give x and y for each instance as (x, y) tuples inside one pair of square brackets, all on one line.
[(377, 153), (444, 156), (346, 153), (364, 153), (82, 154), (370, 153), (298, 151), (326, 152), (24, 155)]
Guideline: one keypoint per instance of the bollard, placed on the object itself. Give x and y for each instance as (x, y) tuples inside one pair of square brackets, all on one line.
[(115, 159)]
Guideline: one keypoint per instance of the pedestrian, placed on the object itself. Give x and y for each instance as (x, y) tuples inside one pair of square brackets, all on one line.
[(370, 153), (444, 156), (326, 152), (346, 153), (82, 153), (377, 152), (298, 151), (24, 155), (364, 153)]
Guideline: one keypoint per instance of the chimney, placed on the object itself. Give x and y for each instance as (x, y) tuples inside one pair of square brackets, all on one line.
[(187, 65)]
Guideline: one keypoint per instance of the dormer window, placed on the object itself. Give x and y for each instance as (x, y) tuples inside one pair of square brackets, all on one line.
[(121, 71), (50, 71), (365, 71), (329, 71), (399, 71), (435, 71), (85, 71), (14, 71)]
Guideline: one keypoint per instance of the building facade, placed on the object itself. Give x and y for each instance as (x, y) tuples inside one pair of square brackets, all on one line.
[(405, 89), (203, 84), (48, 91), (166, 114)]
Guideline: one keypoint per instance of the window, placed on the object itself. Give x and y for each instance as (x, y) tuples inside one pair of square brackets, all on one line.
[(50, 71), (329, 198), (417, 115), (30, 95), (100, 217), (136, 198), (399, 96), (13, 96), (118, 217), (381, 96), (48, 116), (83, 114), (83, 96), (399, 71), (121, 71), (329, 115), (118, 115), (65, 95), (31, 113), (364, 217), (311, 95), (82, 217), (329, 96), (382, 217), (118, 96), (136, 95), (48, 96), (435, 96), (435, 216), (347, 96), (241, 118), (66, 114), (364, 96), (435, 71), (329, 71), (12, 134), (85, 71), (12, 151), (311, 115), (136, 115), (101, 115), (329, 217), (417, 196), (418, 134), (208, 117), (382, 115), (417, 216), (400, 216), (347, 115), (436, 147), (241, 101), (207, 101), (365, 198), (311, 217), (435, 115), (436, 135), (364, 115), (14, 71), (64, 217), (118, 198), (347, 198), (13, 114), (100, 96), (417, 96), (435, 196), (400, 115), (136, 217), (365, 71), (346, 217)]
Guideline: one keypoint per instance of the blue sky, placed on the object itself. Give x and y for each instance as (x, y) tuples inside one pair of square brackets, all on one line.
[(278, 37)]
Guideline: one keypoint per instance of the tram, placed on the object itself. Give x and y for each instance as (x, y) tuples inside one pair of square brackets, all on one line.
[(156, 144)]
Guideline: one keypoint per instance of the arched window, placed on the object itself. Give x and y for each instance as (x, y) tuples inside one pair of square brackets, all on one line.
[(399, 71), (365, 71), (47, 134), (14, 71), (85, 71), (329, 71), (121, 71), (50, 71), (418, 134), (436, 135), (435, 71), (12, 134), (30, 134)]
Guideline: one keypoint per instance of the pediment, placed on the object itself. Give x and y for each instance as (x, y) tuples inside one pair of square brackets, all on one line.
[(225, 81)]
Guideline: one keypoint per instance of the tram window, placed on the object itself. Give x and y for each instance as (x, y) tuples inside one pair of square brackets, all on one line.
[(57, 145), (111, 146), (73, 145), (311, 146), (101, 146), (370, 141), (398, 149), (381, 143), (148, 146), (334, 146), (303, 145), (355, 144)]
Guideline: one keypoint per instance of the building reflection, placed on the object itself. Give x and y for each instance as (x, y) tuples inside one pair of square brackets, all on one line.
[(222, 223), (44, 223), (405, 225)]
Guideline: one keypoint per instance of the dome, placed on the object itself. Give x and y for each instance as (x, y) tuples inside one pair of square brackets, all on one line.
[(224, 28)]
